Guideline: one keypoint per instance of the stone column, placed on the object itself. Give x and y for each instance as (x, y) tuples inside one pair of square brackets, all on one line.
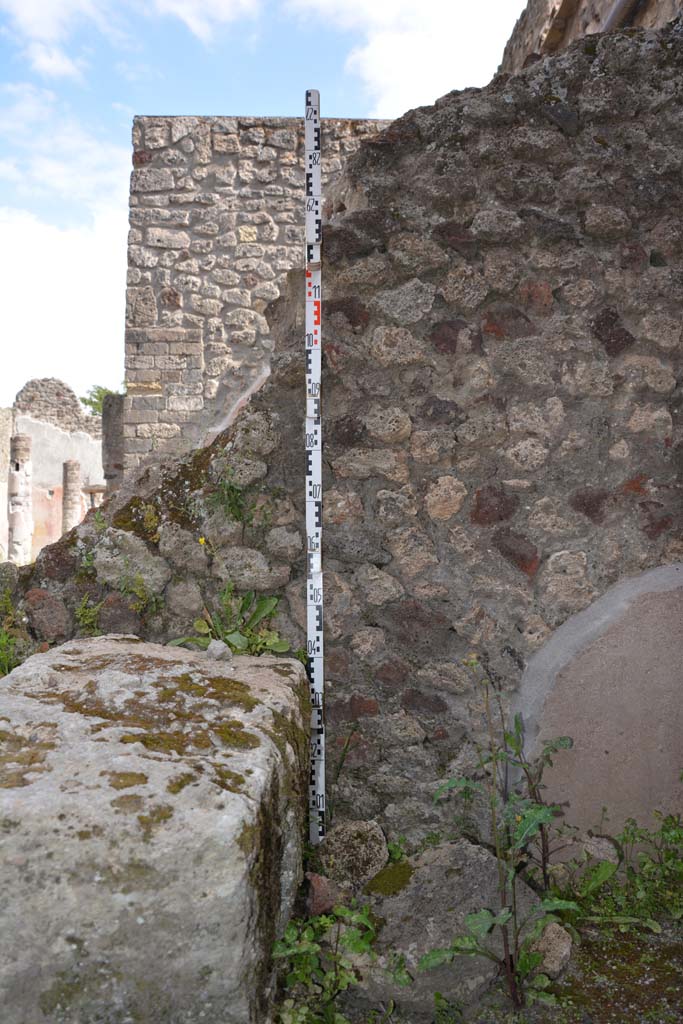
[(72, 511), (112, 440), (20, 500)]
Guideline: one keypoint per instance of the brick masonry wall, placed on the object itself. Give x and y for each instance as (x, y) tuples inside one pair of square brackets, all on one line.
[(546, 26), (216, 215)]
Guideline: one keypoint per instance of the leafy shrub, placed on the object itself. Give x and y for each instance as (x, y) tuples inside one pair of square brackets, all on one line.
[(316, 966), (241, 623)]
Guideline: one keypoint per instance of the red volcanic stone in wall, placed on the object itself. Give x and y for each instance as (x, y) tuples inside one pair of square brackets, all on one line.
[(517, 550), (142, 157), (456, 236), (611, 333), (363, 707), (633, 257), (351, 308), (444, 336), (493, 505), (506, 321), (536, 295), (393, 672), (346, 431), (430, 704), (116, 616), (323, 894), (351, 710), (47, 616), (591, 503), (636, 485), (58, 561), (337, 663), (655, 524)]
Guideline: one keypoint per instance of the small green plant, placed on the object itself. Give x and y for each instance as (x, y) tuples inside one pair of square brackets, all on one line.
[(14, 646), (642, 888), (446, 1012), (519, 820), (143, 601), (241, 623), (87, 617), (316, 966), (99, 521), (397, 849), (87, 570), (8, 652)]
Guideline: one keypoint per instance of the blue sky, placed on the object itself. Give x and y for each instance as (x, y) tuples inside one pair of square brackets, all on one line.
[(74, 72)]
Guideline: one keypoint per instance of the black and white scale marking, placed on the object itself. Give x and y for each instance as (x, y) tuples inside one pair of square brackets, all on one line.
[(314, 481)]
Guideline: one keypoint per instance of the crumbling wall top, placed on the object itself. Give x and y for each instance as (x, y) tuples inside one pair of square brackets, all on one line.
[(53, 401)]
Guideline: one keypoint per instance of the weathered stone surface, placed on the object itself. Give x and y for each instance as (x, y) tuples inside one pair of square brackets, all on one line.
[(47, 615), (423, 902), (610, 678), (148, 791), (122, 556), (353, 853), (249, 569), (184, 599), (445, 497), (555, 946)]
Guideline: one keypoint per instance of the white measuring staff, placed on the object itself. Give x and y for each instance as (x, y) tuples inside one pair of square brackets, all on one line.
[(314, 480)]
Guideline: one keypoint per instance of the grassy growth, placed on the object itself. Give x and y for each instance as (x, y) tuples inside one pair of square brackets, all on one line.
[(87, 617)]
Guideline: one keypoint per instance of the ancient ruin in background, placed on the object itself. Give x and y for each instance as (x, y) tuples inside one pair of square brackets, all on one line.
[(53, 452)]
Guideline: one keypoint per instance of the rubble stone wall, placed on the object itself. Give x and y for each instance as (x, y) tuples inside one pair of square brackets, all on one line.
[(216, 221), (502, 396), (546, 26), (51, 401)]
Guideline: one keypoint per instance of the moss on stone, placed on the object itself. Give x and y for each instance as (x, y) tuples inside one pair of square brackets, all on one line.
[(21, 755), (157, 816), (390, 880), (128, 803), (178, 782), (226, 779), (249, 838), (233, 734), (124, 780), (139, 517)]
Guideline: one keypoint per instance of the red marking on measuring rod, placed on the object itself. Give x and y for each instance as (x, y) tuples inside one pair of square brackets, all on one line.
[(314, 481)]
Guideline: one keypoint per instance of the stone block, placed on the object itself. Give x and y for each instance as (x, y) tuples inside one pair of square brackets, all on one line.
[(173, 824), (151, 179)]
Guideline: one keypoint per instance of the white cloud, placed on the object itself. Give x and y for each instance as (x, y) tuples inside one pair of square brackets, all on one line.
[(52, 61), (63, 287), (63, 301), (57, 157), (412, 52), (44, 27), (202, 16)]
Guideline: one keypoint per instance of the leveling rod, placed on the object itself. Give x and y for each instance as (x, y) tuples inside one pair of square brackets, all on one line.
[(314, 480)]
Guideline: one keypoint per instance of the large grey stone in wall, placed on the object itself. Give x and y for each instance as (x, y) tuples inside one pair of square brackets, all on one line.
[(611, 677), (151, 817)]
